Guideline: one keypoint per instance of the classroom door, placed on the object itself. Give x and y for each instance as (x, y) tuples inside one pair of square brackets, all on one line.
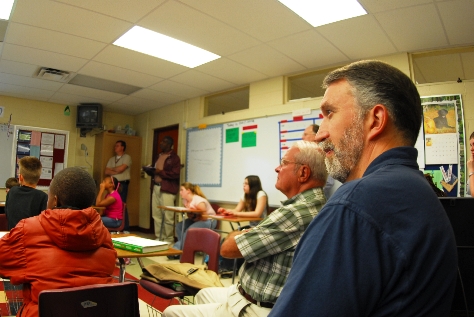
[(158, 135)]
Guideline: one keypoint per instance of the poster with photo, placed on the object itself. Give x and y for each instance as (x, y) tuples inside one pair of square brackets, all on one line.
[(443, 123)]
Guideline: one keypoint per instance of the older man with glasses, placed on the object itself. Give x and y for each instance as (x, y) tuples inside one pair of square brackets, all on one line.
[(267, 248)]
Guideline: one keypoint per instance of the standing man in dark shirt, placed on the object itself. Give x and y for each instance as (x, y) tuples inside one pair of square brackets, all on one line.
[(118, 166), (165, 188), (25, 201)]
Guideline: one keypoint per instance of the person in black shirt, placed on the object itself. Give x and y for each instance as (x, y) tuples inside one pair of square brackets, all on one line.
[(25, 201)]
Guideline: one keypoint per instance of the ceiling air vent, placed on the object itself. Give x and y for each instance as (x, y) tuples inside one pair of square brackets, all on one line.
[(54, 74)]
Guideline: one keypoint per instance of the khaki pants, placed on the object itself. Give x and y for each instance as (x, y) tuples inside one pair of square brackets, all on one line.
[(218, 302), (164, 219)]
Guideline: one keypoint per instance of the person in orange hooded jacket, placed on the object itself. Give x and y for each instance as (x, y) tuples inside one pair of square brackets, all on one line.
[(66, 245)]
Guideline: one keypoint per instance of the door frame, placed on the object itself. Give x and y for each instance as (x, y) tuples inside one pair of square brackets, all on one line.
[(158, 135)]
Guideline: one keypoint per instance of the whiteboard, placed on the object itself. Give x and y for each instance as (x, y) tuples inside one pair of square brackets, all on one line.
[(242, 157), (272, 135)]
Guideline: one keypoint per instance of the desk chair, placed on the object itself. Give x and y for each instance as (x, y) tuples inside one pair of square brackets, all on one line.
[(3, 222), (105, 300), (197, 240), (122, 225)]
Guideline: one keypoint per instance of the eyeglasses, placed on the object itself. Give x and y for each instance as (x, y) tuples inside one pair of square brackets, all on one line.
[(286, 162)]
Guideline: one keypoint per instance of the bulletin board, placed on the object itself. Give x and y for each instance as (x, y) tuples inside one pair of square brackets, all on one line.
[(443, 121), (48, 145)]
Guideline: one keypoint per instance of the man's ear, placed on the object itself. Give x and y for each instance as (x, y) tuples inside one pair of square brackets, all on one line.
[(21, 180), (376, 120), (304, 173)]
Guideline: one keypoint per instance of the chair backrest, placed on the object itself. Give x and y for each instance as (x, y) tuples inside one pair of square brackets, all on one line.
[(3, 222), (122, 225), (202, 240), (114, 300)]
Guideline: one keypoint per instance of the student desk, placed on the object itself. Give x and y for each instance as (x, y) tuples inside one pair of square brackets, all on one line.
[(122, 254), (182, 210), (237, 220)]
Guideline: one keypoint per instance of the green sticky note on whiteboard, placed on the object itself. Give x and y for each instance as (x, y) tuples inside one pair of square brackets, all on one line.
[(249, 139), (232, 135)]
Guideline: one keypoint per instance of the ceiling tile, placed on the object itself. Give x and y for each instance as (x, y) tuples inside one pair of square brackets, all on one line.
[(234, 72), (267, 60), (68, 19), (178, 89), (41, 58), (94, 93), (127, 10), (32, 93), (30, 82), (142, 63), (375, 6), (359, 37), (202, 81), (408, 28), (16, 68), (309, 49), (133, 105), (71, 99), (456, 16), (53, 41), (197, 28), (155, 95), (264, 20), (118, 74)]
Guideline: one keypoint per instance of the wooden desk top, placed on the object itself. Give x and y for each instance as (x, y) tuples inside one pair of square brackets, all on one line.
[(234, 218), (2, 204), (129, 254), (181, 209)]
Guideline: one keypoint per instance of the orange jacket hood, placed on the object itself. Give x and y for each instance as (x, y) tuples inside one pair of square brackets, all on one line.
[(75, 230)]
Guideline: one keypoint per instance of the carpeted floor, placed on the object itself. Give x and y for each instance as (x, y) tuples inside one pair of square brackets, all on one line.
[(145, 296)]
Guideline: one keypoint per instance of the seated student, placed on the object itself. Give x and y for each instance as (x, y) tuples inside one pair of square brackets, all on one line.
[(253, 203), (25, 200), (109, 198), (193, 198), (65, 246), (11, 182)]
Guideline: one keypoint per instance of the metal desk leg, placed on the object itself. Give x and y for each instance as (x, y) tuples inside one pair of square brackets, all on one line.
[(122, 270), (234, 269)]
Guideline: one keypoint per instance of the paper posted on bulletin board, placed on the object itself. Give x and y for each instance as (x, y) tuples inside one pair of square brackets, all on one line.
[(444, 141)]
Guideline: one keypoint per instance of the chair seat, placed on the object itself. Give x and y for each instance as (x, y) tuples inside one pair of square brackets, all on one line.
[(161, 290)]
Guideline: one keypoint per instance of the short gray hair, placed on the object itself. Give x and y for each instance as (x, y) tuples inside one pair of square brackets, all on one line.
[(311, 154), (374, 82)]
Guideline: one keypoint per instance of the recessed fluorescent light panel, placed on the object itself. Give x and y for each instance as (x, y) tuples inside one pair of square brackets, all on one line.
[(158, 45), (5, 9), (319, 12)]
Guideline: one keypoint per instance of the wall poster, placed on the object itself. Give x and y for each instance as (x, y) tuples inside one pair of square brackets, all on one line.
[(443, 122)]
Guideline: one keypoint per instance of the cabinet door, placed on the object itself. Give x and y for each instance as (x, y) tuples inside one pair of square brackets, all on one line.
[(104, 150)]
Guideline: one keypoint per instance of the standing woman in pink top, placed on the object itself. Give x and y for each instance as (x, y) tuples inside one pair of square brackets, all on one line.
[(109, 198)]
